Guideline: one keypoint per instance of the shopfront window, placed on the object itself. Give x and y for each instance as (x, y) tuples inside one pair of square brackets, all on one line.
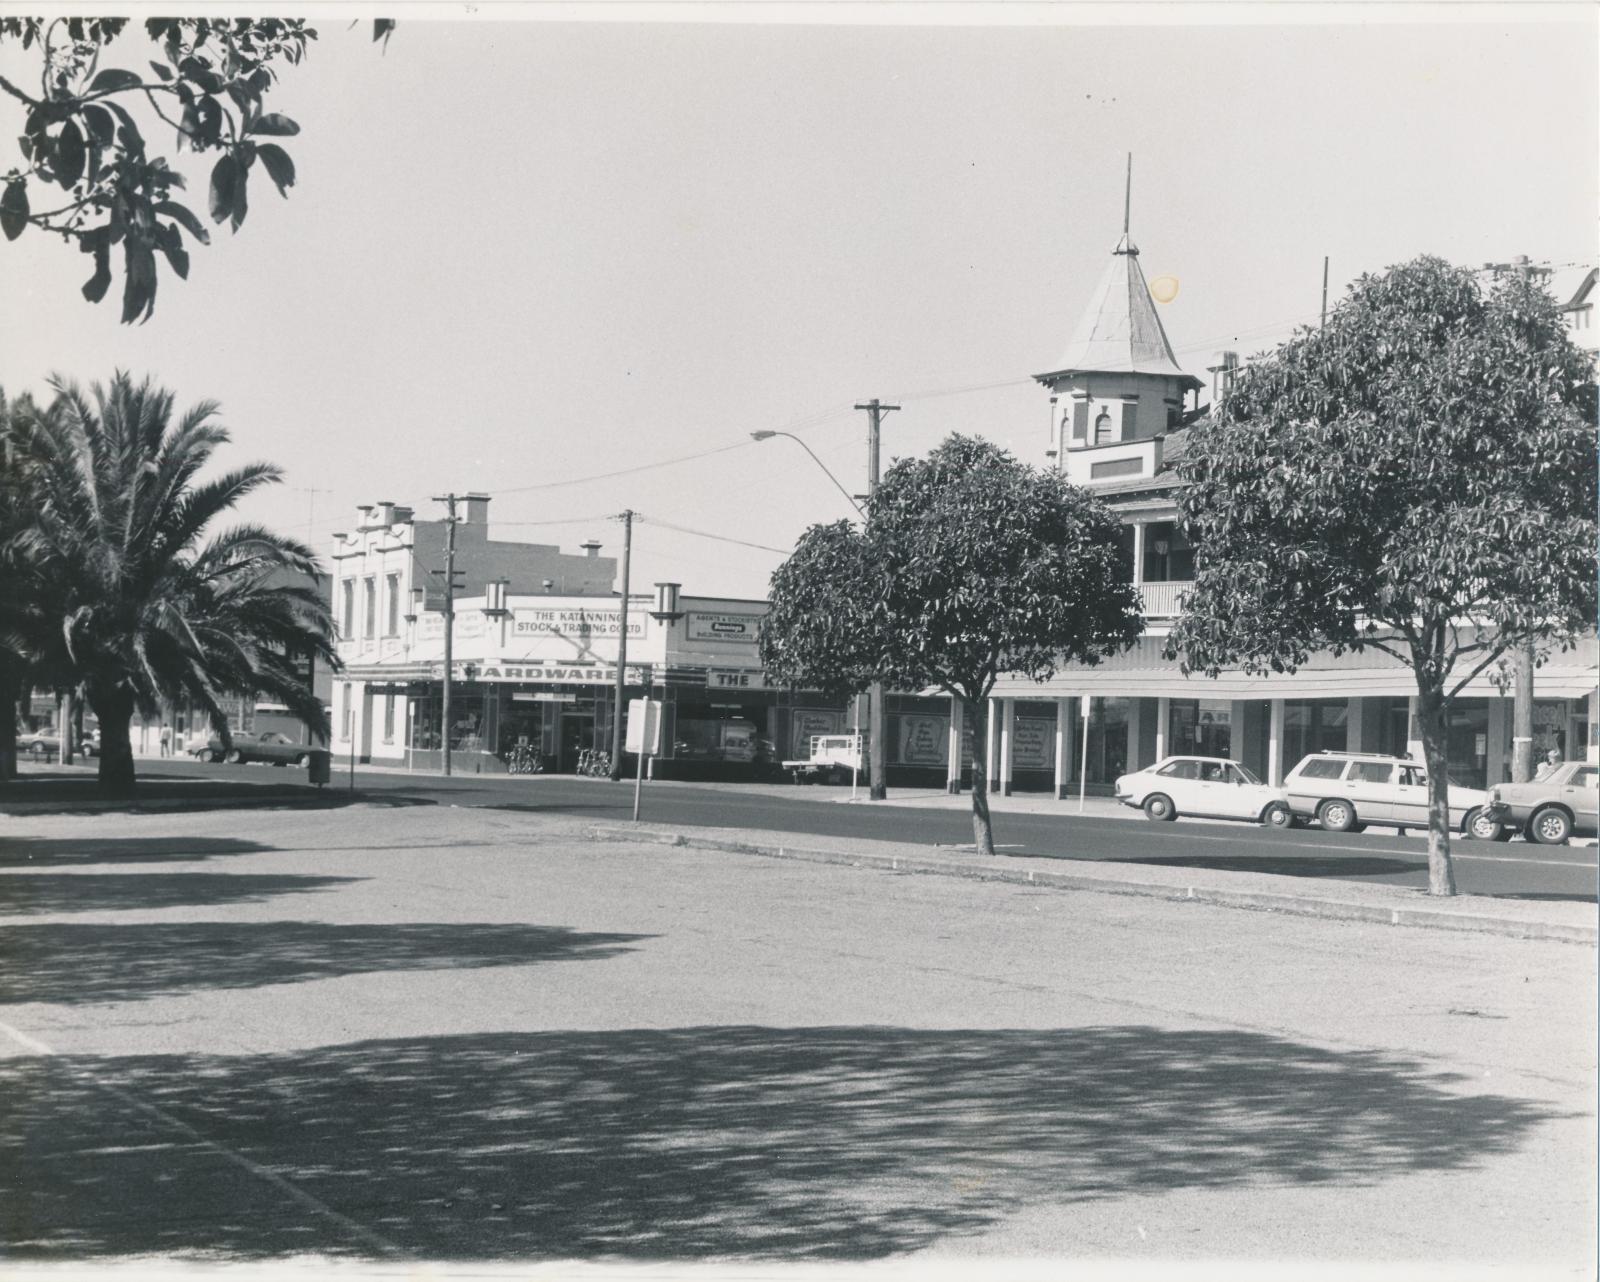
[(1467, 742), (1313, 725), (1107, 755), (707, 733), (1200, 728)]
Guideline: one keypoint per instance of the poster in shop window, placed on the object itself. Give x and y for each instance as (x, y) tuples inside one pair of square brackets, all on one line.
[(1033, 745), (806, 722), (924, 741)]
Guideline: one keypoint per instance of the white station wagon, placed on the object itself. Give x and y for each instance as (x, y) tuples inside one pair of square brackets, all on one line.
[(1204, 787)]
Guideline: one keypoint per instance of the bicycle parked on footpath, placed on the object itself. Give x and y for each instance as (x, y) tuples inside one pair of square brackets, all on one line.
[(525, 760), (595, 762)]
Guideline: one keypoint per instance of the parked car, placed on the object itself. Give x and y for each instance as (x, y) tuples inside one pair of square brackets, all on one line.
[(40, 744), (1205, 787), (1552, 809), (277, 748), (1346, 791)]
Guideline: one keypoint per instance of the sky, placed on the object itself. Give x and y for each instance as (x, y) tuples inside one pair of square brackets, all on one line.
[(575, 264)]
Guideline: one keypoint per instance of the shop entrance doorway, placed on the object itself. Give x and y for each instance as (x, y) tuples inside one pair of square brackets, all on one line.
[(577, 733)]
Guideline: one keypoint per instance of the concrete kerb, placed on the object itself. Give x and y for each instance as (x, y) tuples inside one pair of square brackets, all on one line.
[(1261, 892)]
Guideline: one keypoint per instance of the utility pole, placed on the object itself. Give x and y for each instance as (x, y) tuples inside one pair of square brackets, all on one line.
[(1525, 658), (622, 648), (877, 789), (1324, 289), (449, 501)]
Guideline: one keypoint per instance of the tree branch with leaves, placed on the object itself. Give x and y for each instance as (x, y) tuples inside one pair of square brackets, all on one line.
[(81, 135)]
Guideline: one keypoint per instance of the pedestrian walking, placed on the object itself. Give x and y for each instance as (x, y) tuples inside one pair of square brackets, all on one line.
[(1548, 767), (166, 740)]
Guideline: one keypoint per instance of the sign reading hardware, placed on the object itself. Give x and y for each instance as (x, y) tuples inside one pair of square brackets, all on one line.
[(583, 674), (583, 622), (735, 679), (722, 627)]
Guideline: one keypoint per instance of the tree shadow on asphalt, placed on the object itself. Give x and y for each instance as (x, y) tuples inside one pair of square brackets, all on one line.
[(121, 892), (122, 850), (80, 962), (698, 1143)]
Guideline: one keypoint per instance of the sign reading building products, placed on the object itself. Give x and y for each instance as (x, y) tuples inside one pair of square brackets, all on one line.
[(581, 622), (722, 627), (583, 674)]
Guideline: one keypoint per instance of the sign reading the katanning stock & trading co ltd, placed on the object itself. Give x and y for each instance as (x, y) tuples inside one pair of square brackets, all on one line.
[(532, 670), (723, 627), (579, 622)]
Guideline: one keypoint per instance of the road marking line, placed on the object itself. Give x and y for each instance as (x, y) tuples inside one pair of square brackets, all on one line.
[(279, 1182)]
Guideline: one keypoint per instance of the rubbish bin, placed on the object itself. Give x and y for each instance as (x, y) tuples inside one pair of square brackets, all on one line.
[(318, 766)]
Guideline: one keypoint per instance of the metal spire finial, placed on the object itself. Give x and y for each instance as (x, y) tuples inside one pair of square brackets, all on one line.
[(1127, 197)]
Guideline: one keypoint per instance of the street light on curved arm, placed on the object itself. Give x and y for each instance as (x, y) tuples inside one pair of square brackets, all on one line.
[(768, 435)]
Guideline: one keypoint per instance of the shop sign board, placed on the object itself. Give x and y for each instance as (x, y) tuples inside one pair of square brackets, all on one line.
[(644, 727), (806, 722), (1033, 744), (581, 623), (924, 741), (736, 628), (537, 671), (543, 696), (735, 679), (469, 626)]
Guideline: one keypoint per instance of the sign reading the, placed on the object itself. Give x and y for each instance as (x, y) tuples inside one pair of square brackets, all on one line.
[(735, 679)]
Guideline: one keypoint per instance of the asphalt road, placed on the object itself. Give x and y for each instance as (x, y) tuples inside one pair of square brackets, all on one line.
[(418, 1033), (1514, 869)]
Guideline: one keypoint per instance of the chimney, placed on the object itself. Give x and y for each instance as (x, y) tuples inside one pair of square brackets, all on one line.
[(385, 511), (591, 548), (477, 509), (403, 514)]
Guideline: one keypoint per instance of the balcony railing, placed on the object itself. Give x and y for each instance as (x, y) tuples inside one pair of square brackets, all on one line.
[(1162, 600)]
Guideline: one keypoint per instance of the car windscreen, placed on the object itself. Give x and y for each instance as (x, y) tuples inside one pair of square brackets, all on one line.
[(1249, 775)]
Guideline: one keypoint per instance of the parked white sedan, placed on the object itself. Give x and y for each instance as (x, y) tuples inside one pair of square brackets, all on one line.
[(1205, 787)]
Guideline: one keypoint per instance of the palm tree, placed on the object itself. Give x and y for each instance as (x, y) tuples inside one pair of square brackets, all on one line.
[(145, 606)]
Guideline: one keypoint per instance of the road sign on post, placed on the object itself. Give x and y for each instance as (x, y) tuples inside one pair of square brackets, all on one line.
[(644, 739)]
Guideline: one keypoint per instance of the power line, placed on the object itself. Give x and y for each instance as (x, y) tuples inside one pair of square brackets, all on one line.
[(702, 534)]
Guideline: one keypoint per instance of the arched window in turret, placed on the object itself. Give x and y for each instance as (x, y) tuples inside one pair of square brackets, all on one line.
[(1103, 431)]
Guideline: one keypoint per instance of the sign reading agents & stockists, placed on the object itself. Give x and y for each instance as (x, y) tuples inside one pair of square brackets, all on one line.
[(722, 627)]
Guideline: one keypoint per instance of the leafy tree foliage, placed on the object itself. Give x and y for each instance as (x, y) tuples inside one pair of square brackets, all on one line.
[(20, 622), (209, 85), (1417, 477), (970, 565), (144, 605)]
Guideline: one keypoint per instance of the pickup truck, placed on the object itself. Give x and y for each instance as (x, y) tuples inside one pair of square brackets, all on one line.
[(832, 759)]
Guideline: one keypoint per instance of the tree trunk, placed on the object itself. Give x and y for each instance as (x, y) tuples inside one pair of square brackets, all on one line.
[(11, 687), (114, 710), (1432, 716), (982, 829), (878, 758)]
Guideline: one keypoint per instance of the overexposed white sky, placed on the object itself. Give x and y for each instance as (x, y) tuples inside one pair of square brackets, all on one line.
[(523, 253)]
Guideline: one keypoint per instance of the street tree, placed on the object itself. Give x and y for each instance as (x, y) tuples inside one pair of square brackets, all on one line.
[(1416, 477), (146, 604), (20, 621), (970, 565), (84, 170)]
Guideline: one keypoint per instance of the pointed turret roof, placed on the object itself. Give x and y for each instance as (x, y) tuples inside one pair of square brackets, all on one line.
[(1120, 332)]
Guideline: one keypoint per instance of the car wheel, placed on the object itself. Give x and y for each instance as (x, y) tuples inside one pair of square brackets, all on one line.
[(1502, 833), (233, 756), (1480, 827), (1338, 816), (1550, 827), (1278, 815), (1160, 808), (300, 759)]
